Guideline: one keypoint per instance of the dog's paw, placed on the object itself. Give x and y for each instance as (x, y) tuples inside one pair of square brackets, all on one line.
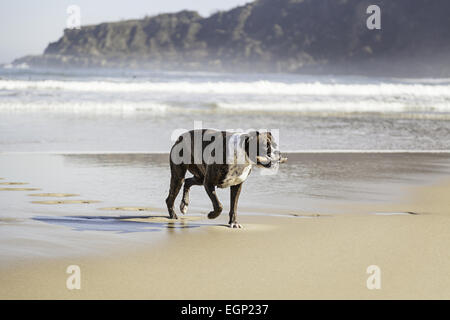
[(183, 207), (235, 225), (173, 217), (213, 214)]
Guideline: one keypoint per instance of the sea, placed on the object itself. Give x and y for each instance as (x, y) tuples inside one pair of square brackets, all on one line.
[(101, 110)]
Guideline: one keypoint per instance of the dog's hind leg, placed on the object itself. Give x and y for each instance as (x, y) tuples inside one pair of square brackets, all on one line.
[(194, 181), (176, 181), (211, 191)]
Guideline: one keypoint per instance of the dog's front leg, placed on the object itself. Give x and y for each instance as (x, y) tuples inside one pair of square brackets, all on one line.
[(188, 183), (211, 191), (235, 191)]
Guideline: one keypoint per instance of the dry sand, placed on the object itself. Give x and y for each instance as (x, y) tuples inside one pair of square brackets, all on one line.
[(272, 258)]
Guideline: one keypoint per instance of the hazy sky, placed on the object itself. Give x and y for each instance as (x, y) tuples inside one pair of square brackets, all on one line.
[(27, 26)]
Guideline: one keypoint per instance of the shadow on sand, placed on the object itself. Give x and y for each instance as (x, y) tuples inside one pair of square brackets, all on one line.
[(120, 224)]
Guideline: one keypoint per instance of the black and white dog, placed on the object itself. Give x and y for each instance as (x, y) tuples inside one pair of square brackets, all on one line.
[(218, 159)]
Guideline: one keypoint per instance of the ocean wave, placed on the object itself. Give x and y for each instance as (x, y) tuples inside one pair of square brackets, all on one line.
[(338, 107), (237, 88), (108, 96), (21, 66), (85, 107)]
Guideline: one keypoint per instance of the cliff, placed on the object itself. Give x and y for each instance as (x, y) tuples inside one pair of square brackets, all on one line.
[(310, 36)]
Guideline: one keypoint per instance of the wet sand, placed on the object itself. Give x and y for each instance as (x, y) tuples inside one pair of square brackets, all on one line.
[(284, 254)]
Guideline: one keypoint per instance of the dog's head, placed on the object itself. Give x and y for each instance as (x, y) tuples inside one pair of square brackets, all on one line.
[(262, 149)]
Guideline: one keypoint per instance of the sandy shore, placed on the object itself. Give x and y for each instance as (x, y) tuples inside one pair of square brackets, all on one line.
[(272, 258)]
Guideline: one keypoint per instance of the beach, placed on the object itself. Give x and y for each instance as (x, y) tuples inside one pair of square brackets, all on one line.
[(384, 209), (332, 151), (84, 174)]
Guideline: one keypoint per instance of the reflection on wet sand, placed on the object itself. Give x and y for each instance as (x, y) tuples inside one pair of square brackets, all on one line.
[(121, 224), (120, 159), (312, 187)]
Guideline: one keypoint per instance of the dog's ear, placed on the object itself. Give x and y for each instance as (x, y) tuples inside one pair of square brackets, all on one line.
[(269, 139), (247, 139), (251, 144)]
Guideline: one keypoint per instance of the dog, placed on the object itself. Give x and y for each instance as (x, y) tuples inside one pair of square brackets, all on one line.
[(218, 159)]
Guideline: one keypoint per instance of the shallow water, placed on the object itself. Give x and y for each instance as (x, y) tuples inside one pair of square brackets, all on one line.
[(117, 200), (56, 127)]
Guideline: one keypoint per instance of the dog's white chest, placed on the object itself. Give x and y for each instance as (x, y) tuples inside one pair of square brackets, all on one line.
[(238, 166), (236, 175)]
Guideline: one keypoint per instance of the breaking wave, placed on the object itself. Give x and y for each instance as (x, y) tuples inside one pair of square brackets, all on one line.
[(246, 88), (109, 96)]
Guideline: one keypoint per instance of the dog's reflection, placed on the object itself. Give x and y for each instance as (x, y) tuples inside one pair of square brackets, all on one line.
[(121, 224)]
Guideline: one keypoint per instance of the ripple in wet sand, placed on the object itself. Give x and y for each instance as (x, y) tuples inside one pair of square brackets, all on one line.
[(9, 220), (303, 215), (129, 209), (13, 183), (65, 202), (54, 195), (394, 213), (19, 189)]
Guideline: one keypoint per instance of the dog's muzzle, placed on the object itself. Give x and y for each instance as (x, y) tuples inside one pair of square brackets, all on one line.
[(268, 161)]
